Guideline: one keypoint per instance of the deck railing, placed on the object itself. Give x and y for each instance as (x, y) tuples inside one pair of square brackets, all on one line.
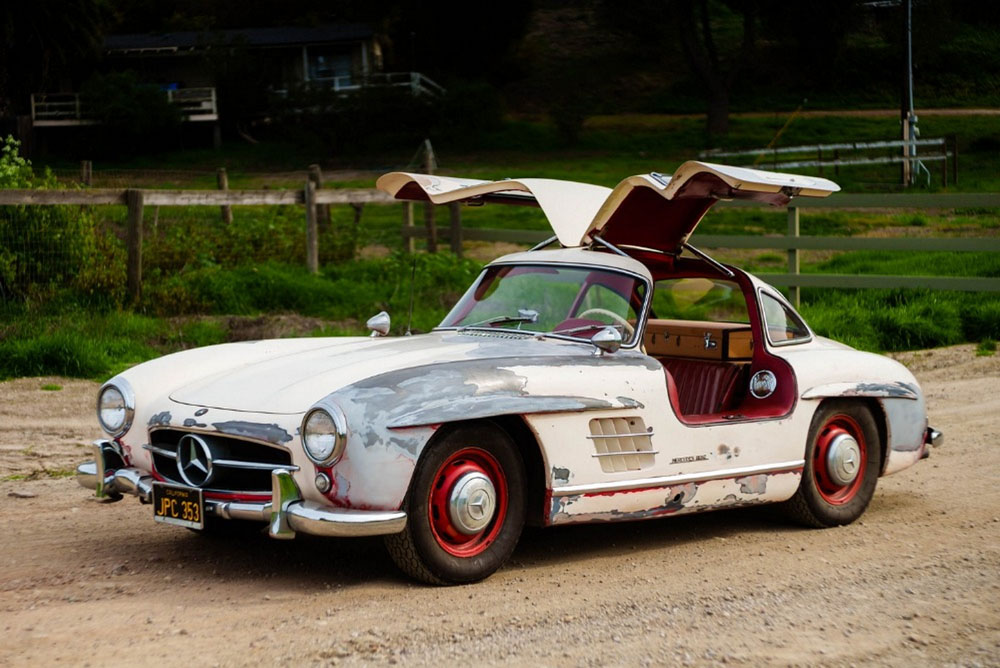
[(62, 109)]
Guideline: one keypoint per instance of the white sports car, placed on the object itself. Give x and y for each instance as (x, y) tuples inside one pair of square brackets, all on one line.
[(609, 377)]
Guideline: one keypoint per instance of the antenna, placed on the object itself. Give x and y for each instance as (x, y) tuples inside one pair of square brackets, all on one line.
[(409, 317)]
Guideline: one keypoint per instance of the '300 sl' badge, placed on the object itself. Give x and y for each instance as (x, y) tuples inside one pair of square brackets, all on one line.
[(762, 384)]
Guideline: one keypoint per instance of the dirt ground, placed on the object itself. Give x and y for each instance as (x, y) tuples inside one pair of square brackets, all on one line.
[(915, 582)]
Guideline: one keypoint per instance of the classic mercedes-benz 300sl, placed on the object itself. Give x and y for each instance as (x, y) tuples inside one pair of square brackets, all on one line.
[(612, 373)]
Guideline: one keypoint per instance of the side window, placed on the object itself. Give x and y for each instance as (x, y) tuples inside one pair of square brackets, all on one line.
[(782, 325), (700, 299)]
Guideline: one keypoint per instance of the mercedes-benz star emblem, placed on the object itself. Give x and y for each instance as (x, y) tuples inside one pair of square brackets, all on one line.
[(194, 460)]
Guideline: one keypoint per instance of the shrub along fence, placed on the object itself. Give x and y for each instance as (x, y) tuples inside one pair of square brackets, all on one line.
[(314, 200)]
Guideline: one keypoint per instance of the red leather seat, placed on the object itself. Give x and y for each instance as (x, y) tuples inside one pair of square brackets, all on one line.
[(703, 386)]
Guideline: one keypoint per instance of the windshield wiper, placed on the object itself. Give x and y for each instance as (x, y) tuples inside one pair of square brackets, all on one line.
[(523, 315), (583, 328)]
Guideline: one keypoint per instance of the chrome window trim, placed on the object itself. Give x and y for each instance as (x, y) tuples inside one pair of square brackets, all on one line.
[(640, 326), (763, 319)]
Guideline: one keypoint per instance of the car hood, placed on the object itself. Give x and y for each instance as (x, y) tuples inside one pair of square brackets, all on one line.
[(290, 382)]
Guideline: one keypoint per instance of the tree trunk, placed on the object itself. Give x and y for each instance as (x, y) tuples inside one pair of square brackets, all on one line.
[(718, 112)]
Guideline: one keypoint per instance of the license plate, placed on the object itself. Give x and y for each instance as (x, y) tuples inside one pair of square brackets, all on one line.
[(183, 506)]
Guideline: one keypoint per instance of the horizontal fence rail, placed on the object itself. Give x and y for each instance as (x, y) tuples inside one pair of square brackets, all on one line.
[(314, 198), (939, 149)]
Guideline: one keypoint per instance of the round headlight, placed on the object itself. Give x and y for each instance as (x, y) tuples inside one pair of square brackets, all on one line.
[(324, 436), (115, 408)]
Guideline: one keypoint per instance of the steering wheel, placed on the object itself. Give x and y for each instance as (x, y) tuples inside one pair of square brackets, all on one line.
[(610, 314)]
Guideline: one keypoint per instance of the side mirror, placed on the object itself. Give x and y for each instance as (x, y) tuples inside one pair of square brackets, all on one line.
[(608, 340), (379, 324)]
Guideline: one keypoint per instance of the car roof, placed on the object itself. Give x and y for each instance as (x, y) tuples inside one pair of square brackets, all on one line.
[(577, 256)]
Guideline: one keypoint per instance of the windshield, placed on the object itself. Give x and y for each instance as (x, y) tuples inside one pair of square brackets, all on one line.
[(575, 302)]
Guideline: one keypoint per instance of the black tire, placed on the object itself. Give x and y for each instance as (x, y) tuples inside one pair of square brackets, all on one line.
[(821, 500), (431, 549)]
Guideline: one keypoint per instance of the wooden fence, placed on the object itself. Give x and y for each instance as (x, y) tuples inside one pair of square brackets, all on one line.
[(135, 199), (313, 199), (793, 242)]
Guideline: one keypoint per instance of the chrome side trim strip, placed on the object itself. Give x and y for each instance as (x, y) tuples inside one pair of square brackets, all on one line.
[(667, 481), (625, 453), (611, 436)]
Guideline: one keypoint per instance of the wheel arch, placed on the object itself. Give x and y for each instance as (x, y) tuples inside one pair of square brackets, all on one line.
[(515, 427), (877, 411)]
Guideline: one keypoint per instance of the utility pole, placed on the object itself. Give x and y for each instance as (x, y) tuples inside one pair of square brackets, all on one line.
[(911, 165)]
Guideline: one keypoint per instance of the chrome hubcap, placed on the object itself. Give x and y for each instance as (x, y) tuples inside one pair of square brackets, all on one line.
[(472, 503), (843, 459)]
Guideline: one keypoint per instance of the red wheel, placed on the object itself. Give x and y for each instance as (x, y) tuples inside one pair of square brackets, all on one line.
[(842, 464), (465, 508), (468, 502), (840, 459)]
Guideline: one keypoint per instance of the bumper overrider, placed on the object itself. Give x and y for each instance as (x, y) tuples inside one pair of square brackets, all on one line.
[(932, 439), (286, 513)]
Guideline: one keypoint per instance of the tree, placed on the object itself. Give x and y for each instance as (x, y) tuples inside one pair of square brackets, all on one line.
[(699, 38), (45, 41), (717, 39)]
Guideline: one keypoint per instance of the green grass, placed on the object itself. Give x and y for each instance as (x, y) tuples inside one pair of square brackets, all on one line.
[(51, 387), (609, 149), (986, 348), (199, 272), (892, 320)]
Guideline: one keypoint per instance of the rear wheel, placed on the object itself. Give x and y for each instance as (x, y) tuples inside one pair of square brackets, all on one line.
[(842, 464), (465, 508)]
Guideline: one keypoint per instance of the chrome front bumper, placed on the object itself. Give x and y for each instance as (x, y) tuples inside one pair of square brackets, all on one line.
[(286, 513)]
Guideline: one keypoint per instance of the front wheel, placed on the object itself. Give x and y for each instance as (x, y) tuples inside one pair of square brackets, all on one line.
[(842, 464), (465, 508)]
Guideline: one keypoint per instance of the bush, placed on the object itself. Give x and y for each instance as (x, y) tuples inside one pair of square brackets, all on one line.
[(45, 250)]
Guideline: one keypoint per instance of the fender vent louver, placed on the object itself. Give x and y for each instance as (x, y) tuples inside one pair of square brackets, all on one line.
[(622, 444)]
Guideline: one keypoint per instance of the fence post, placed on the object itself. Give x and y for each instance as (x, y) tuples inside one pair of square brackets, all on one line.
[(944, 163), (793, 253), (432, 242), (312, 237), (223, 180), (322, 210), (455, 218), (133, 200), (954, 158), (408, 224), (86, 172)]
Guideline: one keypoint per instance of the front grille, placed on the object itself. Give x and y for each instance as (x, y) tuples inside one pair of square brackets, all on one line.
[(238, 466)]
